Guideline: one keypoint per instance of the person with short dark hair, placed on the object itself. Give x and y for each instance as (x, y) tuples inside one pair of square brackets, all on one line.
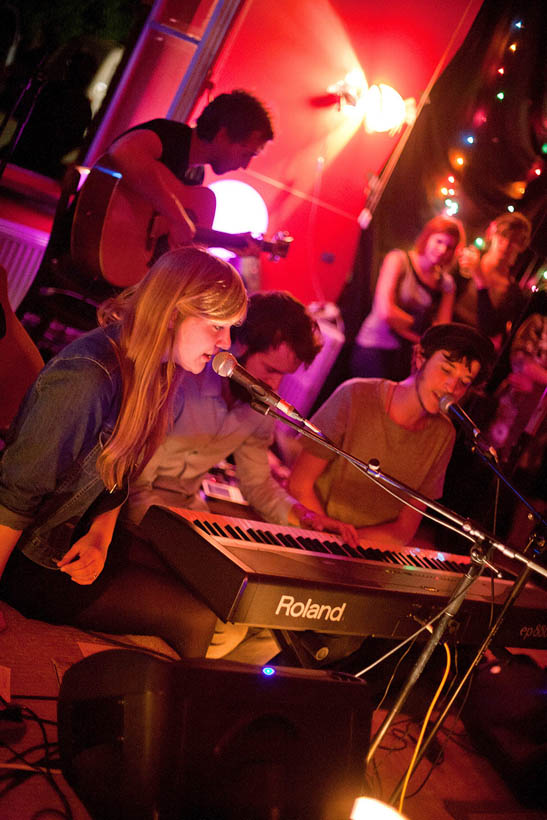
[(489, 297), (158, 158), (216, 421), (414, 290), (239, 112), (277, 317), (398, 423)]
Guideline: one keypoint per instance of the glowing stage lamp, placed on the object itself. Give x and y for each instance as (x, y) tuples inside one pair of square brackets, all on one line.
[(367, 808), (239, 209), (351, 89), (386, 110)]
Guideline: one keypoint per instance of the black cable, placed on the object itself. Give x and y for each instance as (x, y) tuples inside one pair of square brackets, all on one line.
[(124, 645), (390, 681), (47, 774)]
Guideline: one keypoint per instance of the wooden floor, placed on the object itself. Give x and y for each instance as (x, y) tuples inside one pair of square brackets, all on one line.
[(34, 656)]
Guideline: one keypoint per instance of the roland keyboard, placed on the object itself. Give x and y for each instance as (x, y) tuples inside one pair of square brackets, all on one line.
[(280, 577)]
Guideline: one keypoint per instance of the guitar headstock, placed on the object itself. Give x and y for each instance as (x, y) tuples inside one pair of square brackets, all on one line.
[(278, 246)]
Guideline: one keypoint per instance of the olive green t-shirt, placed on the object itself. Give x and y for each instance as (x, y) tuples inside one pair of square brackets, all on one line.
[(355, 419)]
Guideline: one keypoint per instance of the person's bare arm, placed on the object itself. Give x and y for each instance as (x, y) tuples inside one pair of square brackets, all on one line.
[(86, 558), (394, 533), (309, 512), (385, 297), (446, 307), (307, 469), (136, 156), (469, 261), (305, 473)]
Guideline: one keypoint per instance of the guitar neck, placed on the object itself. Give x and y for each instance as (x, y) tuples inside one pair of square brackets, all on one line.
[(228, 240)]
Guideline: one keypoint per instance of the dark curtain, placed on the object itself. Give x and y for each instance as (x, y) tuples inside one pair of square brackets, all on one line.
[(507, 144), (510, 140)]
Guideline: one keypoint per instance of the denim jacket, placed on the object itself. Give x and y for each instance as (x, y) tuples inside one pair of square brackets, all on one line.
[(48, 474)]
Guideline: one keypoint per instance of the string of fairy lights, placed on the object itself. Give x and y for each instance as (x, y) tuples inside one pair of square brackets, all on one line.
[(460, 155)]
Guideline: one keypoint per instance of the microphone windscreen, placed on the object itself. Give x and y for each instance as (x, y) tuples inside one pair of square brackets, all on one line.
[(446, 402), (224, 364)]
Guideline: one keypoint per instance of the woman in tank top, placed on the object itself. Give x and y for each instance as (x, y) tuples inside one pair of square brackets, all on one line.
[(413, 292)]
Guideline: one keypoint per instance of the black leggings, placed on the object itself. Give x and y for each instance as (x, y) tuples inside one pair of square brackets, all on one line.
[(131, 595)]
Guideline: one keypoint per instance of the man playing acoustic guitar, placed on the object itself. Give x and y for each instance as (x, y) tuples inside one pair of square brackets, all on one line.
[(136, 202), (158, 158)]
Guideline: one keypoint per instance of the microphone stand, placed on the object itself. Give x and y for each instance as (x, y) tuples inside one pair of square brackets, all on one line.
[(536, 543), (492, 464), (519, 583), (478, 561), (28, 95)]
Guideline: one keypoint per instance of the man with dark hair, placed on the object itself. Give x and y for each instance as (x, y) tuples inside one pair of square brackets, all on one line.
[(239, 112), (217, 420), (159, 158), (275, 318), (398, 423)]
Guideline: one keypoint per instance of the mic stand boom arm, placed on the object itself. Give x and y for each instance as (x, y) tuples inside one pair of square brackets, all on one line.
[(496, 470)]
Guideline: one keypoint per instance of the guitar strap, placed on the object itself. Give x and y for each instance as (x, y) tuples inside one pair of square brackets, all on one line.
[(194, 175)]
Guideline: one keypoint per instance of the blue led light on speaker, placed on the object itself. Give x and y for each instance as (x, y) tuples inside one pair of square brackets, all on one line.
[(268, 671)]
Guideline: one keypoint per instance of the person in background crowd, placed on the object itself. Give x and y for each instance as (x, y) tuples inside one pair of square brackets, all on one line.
[(489, 298), (414, 290), (520, 393)]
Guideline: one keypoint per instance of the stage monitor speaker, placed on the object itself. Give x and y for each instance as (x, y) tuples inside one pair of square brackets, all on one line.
[(147, 739), (506, 717)]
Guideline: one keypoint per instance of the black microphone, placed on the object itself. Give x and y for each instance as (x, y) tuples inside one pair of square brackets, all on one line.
[(224, 364), (450, 407)]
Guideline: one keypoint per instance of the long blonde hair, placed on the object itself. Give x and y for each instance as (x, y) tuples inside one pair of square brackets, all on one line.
[(184, 282)]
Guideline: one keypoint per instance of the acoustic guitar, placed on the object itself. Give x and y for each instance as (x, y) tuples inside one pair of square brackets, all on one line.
[(116, 234)]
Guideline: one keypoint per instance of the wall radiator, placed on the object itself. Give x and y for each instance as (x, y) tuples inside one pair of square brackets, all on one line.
[(21, 251)]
